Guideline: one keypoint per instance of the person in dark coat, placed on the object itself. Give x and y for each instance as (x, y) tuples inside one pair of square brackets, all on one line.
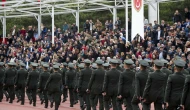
[(20, 82), (155, 87), (42, 82), (80, 67), (118, 66), (53, 86), (125, 88), (175, 86), (95, 86), (70, 76), (164, 68), (140, 82), (40, 70), (9, 81), (84, 78), (185, 100), (64, 69), (32, 83), (2, 72), (110, 85)]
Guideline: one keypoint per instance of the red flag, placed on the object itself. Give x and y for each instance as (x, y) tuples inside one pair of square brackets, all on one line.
[(3, 1), (38, 0)]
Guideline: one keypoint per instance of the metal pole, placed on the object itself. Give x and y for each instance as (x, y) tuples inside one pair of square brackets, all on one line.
[(52, 24), (77, 16), (158, 11), (39, 20), (39, 25), (4, 27), (114, 14), (126, 19)]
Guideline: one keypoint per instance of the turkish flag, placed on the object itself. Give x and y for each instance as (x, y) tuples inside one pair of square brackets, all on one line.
[(3, 1)]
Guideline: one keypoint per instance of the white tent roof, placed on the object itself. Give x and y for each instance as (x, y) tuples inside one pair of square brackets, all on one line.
[(19, 8)]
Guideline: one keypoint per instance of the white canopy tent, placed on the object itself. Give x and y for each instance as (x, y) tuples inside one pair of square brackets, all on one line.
[(38, 8)]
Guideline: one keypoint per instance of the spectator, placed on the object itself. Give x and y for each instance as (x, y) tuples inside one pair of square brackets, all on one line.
[(177, 17), (187, 14), (65, 27)]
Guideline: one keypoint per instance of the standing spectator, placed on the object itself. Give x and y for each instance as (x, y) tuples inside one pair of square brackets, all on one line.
[(187, 14), (107, 24), (13, 31), (110, 25), (163, 25), (44, 31), (91, 26), (74, 28), (86, 26), (65, 27), (49, 35), (98, 25), (118, 23), (177, 17)]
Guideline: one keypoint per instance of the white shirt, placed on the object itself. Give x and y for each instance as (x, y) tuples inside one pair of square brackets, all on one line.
[(161, 55), (159, 32), (26, 65), (13, 33)]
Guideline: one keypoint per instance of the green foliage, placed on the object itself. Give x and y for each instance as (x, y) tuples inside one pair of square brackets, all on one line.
[(166, 12)]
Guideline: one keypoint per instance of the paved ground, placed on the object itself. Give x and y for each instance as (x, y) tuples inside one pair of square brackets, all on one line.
[(16, 106)]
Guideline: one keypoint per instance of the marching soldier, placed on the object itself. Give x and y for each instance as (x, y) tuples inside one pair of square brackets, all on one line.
[(164, 69), (95, 86), (40, 70), (9, 81), (53, 86), (32, 83), (106, 66), (140, 82), (80, 67), (155, 87), (150, 69), (20, 82), (118, 65), (110, 85), (94, 66), (125, 89), (70, 76), (2, 72), (185, 101), (42, 82), (175, 86), (84, 78), (64, 69)]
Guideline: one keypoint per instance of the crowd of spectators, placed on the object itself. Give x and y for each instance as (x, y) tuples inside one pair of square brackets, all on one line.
[(99, 40)]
